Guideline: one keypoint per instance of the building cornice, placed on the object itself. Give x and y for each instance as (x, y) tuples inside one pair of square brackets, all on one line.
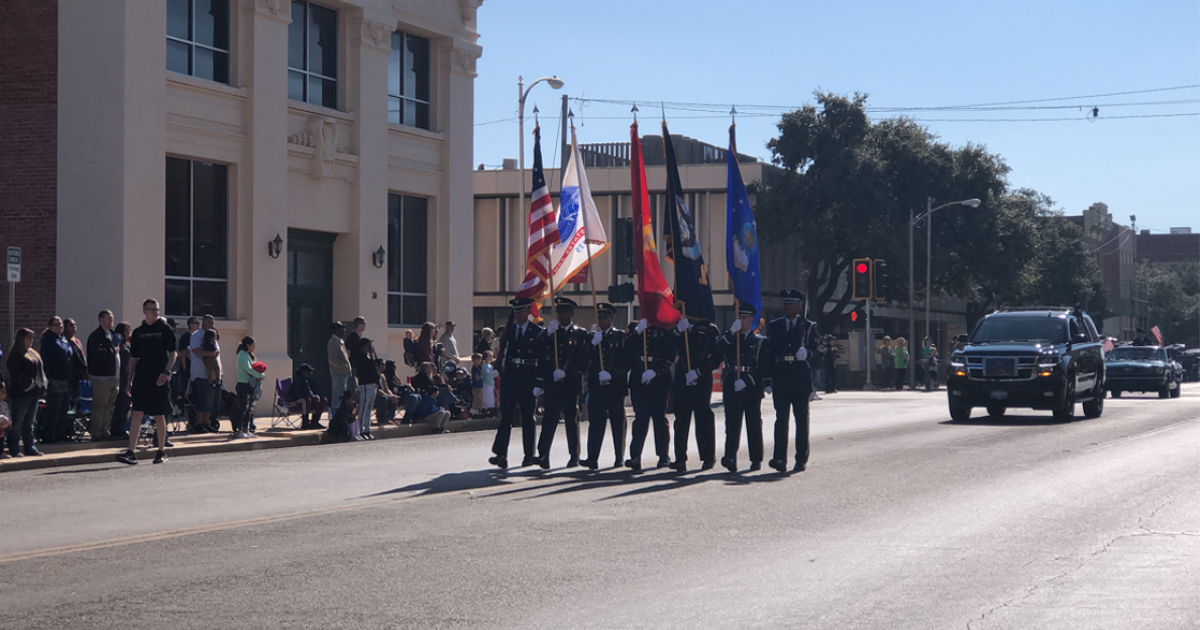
[(278, 10), (374, 34)]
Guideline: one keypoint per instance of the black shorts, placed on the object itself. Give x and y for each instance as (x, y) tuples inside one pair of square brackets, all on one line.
[(150, 398)]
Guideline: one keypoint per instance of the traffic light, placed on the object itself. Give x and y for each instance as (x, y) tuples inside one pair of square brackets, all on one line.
[(881, 280), (622, 249), (621, 293), (859, 314), (861, 276)]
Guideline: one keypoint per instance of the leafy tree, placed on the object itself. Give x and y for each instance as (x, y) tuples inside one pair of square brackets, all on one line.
[(1173, 295)]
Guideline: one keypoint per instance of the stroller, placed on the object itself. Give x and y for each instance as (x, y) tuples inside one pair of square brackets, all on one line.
[(459, 382)]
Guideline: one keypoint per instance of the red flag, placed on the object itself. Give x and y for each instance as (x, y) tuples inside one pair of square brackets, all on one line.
[(654, 296), (1157, 334)]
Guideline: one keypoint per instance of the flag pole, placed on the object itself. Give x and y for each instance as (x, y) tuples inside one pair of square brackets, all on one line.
[(587, 247), (550, 257), (674, 245), (641, 240), (737, 306)]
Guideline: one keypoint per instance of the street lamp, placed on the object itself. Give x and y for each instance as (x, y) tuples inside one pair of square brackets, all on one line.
[(522, 92), (912, 326)]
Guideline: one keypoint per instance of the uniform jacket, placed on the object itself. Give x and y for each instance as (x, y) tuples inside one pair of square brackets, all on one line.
[(616, 362), (572, 344), (782, 345), (653, 349), (755, 363), (523, 357), (702, 339)]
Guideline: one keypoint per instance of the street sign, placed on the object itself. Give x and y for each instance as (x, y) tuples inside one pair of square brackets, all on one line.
[(14, 265)]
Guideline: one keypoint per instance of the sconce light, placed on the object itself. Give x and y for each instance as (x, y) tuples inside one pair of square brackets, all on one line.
[(377, 257), (275, 247)]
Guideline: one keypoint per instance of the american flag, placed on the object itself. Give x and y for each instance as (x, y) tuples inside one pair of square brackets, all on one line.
[(1107, 346), (1157, 334), (543, 230)]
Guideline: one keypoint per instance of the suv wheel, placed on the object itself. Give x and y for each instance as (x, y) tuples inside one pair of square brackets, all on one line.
[(1178, 391), (995, 411), (1116, 393), (1064, 407), (959, 412), (1165, 392), (1094, 407)]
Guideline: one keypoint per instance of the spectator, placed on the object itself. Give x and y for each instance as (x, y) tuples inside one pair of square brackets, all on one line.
[(486, 337), (56, 357), (339, 362), (302, 390), (79, 367), (386, 401), (104, 371), (363, 360), (921, 362), (901, 361), (248, 381), (424, 352), (401, 390), (410, 348), (476, 383), (27, 381), (931, 369), (449, 346), (355, 335), (185, 345), (120, 419), (489, 383), (152, 356), (206, 394), (5, 418), (431, 412), (829, 363), (341, 424), (887, 363)]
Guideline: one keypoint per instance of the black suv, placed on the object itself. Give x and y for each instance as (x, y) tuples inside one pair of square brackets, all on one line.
[(1039, 358)]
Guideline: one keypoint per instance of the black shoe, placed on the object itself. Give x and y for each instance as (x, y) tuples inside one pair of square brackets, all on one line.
[(635, 466), (663, 463), (799, 467), (160, 457), (707, 464), (589, 464), (618, 462), (544, 462), (778, 464), (32, 452), (573, 462), (529, 461), (679, 466), (169, 443), (729, 464), (499, 462), (128, 457), (755, 466)]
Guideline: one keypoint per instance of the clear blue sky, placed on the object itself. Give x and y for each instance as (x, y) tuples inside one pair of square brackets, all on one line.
[(903, 54)]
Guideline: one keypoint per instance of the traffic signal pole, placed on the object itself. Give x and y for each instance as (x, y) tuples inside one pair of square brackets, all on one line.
[(870, 349)]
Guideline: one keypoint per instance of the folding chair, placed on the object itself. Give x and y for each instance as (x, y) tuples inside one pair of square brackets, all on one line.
[(283, 413)]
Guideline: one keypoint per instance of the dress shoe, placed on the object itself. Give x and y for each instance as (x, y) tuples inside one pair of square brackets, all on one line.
[(499, 462), (799, 467), (755, 466), (590, 464), (679, 466), (708, 464), (529, 461), (618, 462), (635, 466), (573, 462), (729, 464), (778, 464), (544, 462), (663, 463)]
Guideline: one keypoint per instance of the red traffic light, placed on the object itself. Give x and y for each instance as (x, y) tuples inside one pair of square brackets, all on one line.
[(861, 268), (854, 316)]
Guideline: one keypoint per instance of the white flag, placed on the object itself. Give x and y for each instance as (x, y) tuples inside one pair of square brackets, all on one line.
[(579, 226)]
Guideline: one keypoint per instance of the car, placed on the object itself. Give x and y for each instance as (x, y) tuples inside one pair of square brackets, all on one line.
[(1037, 358), (1143, 369)]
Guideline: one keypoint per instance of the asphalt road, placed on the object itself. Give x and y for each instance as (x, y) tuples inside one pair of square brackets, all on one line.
[(903, 520)]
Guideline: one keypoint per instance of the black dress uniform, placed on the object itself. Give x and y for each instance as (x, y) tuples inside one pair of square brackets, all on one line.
[(752, 369), (652, 350), (606, 399), (522, 351), (695, 399), (791, 379), (561, 397)]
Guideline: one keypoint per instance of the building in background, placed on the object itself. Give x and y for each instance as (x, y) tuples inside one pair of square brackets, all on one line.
[(277, 164), (1180, 245), (1115, 247)]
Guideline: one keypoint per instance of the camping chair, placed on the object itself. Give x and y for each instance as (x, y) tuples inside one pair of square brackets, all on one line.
[(287, 414), (82, 412)]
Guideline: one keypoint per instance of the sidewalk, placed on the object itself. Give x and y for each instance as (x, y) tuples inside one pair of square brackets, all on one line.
[(75, 454)]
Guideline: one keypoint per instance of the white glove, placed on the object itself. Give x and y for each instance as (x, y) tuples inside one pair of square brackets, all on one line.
[(551, 327), (767, 389), (641, 326), (648, 375), (737, 326), (692, 377), (683, 324), (559, 375), (739, 385), (538, 391), (594, 328), (802, 353), (604, 376), (597, 336)]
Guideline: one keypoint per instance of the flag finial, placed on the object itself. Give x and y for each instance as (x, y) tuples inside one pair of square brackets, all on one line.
[(634, 109), (664, 111), (733, 114)]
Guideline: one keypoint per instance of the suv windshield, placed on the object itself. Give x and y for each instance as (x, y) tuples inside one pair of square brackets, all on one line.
[(1032, 328), (1137, 353)]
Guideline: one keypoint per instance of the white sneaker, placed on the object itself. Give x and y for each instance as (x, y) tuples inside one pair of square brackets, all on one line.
[(248, 435)]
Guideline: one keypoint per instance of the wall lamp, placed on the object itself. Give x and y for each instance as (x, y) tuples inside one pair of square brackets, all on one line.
[(275, 247), (377, 257)]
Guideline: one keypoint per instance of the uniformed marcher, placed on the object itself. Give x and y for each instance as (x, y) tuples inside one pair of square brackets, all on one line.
[(562, 375), (521, 351), (791, 340), (607, 386), (691, 391), (1141, 339), (742, 383), (651, 352)]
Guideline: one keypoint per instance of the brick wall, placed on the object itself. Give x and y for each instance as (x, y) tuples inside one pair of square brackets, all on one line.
[(28, 162)]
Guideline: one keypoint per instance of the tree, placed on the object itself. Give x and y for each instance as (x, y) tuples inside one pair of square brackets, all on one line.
[(1173, 295)]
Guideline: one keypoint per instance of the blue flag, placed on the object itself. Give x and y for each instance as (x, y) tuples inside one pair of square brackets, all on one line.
[(693, 295), (741, 235)]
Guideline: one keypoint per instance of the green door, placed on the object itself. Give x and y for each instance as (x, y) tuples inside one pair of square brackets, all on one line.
[(310, 301)]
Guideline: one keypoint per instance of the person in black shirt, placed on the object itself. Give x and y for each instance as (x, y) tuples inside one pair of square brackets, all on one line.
[(362, 359), (152, 355)]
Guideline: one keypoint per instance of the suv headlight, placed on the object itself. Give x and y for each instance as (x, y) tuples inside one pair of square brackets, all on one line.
[(959, 368)]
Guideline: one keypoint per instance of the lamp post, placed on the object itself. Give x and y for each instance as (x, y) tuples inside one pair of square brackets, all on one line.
[(522, 92), (912, 325)]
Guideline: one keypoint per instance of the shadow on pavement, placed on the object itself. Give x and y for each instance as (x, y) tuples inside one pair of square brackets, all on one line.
[(76, 471), (454, 482), (1013, 421), (647, 482)]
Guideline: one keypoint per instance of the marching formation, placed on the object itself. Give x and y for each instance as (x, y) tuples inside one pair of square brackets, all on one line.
[(562, 366)]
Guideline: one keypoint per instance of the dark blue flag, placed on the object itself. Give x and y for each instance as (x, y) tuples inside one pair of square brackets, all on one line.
[(741, 235), (693, 294)]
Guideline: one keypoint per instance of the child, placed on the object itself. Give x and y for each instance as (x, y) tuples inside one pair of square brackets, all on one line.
[(314, 403), (489, 383), (476, 383), (340, 426), (432, 413), (212, 365), (5, 419)]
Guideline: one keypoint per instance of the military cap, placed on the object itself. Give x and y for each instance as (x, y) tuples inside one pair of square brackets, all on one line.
[(1141, 330), (792, 296), (564, 304), (747, 309), (520, 304), (604, 308)]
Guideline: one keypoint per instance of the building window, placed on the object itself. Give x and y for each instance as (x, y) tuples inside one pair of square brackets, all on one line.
[(312, 54), (197, 220), (407, 260), (408, 81), (198, 38)]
